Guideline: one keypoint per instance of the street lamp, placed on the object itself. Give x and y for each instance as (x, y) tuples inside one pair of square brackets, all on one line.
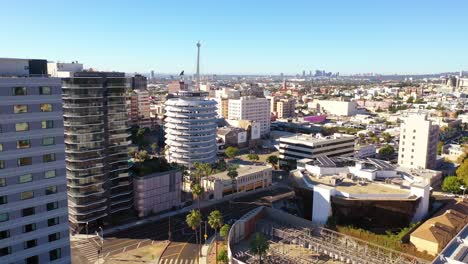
[(464, 189)]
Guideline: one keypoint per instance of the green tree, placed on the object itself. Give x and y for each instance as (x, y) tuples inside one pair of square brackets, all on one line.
[(224, 231), (198, 191), (259, 245), (386, 151), (253, 157), (387, 137), (231, 152), (440, 146), (370, 134), (451, 184), (141, 156), (273, 160), (215, 220), (222, 256), (410, 100), (193, 220), (462, 172), (140, 137), (375, 139), (154, 148)]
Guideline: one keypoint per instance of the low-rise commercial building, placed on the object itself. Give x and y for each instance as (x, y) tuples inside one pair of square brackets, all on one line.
[(249, 178), (334, 107)]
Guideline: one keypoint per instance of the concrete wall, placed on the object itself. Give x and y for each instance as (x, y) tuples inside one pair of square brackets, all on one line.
[(321, 207)]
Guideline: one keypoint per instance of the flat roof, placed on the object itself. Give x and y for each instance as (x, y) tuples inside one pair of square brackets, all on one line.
[(242, 170), (311, 139)]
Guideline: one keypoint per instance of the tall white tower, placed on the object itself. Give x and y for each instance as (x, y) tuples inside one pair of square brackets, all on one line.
[(191, 126)]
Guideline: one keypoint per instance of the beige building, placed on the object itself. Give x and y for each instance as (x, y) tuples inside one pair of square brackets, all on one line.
[(249, 178), (434, 234), (418, 141), (251, 108), (334, 107), (282, 108)]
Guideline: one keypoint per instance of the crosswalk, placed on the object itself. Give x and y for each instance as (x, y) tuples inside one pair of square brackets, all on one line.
[(87, 249), (177, 261)]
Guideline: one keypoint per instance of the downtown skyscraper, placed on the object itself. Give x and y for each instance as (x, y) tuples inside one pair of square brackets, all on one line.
[(96, 141)]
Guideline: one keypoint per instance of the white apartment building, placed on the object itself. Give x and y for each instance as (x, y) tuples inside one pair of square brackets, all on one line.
[(334, 107), (418, 141), (251, 108), (300, 146)]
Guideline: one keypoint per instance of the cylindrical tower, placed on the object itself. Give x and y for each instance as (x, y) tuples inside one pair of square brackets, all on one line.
[(191, 128)]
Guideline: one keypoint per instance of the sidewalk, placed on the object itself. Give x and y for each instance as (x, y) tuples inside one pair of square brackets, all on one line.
[(205, 250)]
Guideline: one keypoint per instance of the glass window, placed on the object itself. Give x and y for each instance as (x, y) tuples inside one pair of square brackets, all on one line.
[(24, 143), (51, 190), (2, 182), (55, 254), (49, 174), (48, 141), (4, 217), (53, 221), (52, 206), (2, 164), (19, 91), (45, 90), (48, 157), (25, 161), (1, 147), (29, 228), (32, 260), (47, 124), (27, 195), (30, 243), (25, 178), (28, 211), (18, 109), (46, 107), (54, 237), (3, 199), (21, 127), (4, 234), (5, 251)]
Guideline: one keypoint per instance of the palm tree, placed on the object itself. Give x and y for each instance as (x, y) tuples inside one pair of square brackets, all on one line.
[(224, 231), (232, 173), (215, 220), (194, 219), (198, 191), (273, 160)]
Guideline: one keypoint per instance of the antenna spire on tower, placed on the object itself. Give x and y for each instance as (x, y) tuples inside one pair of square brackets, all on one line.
[(198, 65)]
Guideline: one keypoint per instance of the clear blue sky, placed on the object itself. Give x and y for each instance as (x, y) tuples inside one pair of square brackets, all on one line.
[(253, 36)]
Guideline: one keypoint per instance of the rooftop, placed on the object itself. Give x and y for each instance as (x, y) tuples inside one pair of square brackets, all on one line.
[(311, 139), (242, 170)]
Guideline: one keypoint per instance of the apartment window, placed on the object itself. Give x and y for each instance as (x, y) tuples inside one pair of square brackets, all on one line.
[(19, 109), (4, 234), (47, 124), (30, 243), (19, 91), (1, 147), (32, 260), (414, 138), (25, 161), (46, 107), (29, 228), (4, 217), (48, 157), (411, 156), (2, 166), (54, 237), (48, 141), (2, 182), (402, 149), (21, 126), (28, 211), (24, 143), (3, 199), (51, 190), (27, 195), (45, 90), (53, 221), (49, 174), (5, 251), (25, 178), (414, 131), (411, 163), (55, 254), (52, 206), (412, 150), (404, 136)]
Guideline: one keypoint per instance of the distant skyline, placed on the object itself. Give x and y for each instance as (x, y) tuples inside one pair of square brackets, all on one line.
[(241, 37)]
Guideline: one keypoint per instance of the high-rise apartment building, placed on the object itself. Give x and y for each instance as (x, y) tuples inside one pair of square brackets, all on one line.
[(96, 145), (282, 108), (138, 107), (253, 109), (191, 128), (33, 189), (418, 141)]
